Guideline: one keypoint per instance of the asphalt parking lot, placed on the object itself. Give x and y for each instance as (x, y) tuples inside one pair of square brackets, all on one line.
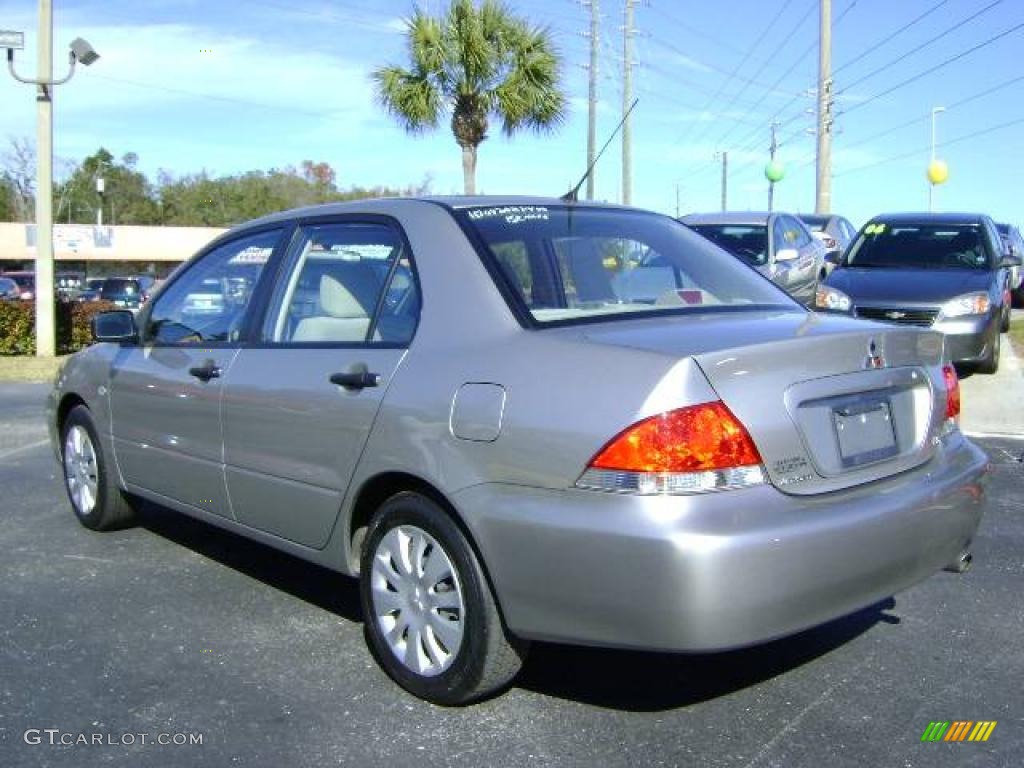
[(175, 628)]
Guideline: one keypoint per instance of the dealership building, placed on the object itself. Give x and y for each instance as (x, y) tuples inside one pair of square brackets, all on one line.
[(97, 251)]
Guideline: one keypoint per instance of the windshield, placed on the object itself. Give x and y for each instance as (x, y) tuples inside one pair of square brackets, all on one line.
[(568, 265), (919, 246), (748, 241)]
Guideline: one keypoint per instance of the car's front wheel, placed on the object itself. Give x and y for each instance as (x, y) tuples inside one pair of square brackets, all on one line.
[(89, 479), (430, 617)]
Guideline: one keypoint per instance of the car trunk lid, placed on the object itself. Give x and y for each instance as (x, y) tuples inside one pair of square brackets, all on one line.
[(830, 402)]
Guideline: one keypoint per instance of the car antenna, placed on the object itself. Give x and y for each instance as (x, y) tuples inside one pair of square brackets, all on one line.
[(573, 194)]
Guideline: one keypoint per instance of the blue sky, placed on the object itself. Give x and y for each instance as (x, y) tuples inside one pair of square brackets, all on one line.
[(231, 86)]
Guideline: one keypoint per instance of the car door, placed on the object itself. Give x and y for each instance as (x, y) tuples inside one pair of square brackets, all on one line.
[(165, 392), (300, 402)]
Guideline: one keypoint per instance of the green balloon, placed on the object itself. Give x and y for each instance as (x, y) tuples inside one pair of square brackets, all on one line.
[(774, 171)]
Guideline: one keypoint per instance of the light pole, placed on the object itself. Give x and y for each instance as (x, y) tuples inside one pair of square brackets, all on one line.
[(46, 339), (931, 161)]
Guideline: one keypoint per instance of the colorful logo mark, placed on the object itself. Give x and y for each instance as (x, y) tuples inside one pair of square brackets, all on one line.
[(958, 730)]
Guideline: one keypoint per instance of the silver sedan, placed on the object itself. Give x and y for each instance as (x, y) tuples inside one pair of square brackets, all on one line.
[(518, 419)]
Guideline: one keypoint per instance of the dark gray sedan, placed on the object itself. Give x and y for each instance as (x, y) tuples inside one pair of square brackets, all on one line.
[(778, 245), (944, 271), (467, 403)]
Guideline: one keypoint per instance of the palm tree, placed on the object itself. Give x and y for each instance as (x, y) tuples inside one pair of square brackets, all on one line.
[(478, 63)]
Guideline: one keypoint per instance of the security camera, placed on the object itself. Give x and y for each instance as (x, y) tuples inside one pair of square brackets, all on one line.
[(83, 52)]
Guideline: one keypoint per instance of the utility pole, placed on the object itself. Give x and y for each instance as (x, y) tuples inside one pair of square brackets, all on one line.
[(677, 199), (725, 178), (627, 100), (46, 326), (595, 8), (823, 186), (772, 148)]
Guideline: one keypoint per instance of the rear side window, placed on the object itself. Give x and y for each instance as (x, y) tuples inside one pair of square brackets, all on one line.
[(347, 283), (566, 264)]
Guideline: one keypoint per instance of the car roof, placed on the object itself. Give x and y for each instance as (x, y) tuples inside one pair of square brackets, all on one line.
[(731, 217), (448, 201), (930, 218)]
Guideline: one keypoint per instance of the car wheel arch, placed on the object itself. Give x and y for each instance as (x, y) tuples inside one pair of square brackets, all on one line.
[(379, 488), (67, 403)]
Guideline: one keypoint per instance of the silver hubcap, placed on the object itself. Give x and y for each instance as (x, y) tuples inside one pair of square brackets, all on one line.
[(417, 600), (80, 469)]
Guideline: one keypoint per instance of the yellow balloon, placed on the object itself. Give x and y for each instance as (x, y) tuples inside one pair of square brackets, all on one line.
[(938, 171)]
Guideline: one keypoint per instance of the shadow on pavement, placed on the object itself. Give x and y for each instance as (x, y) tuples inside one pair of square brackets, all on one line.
[(319, 586), (647, 682), (623, 680)]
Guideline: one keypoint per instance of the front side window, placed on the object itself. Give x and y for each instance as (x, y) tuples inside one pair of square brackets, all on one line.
[(882, 245), (348, 283), (208, 302), (566, 264)]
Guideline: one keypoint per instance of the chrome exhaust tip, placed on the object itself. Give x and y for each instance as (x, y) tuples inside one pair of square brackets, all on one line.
[(962, 563)]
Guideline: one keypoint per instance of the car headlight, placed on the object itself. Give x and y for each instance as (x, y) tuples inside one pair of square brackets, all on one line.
[(827, 297), (968, 304)]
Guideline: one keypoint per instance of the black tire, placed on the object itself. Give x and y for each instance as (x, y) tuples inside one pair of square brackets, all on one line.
[(1004, 325), (991, 363), (486, 657), (111, 508)]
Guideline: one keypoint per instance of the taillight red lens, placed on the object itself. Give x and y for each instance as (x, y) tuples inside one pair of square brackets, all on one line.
[(693, 439), (952, 391)]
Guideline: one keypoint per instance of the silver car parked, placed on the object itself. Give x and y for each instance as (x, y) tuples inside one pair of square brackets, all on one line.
[(778, 245), (468, 404)]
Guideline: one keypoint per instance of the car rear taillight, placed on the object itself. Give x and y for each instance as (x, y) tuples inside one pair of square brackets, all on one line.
[(952, 392), (690, 450)]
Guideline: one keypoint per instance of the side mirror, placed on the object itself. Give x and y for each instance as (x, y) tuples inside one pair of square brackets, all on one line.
[(787, 254), (117, 325), (1010, 260)]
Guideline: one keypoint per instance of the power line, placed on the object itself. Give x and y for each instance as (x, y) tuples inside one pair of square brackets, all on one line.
[(955, 28), (957, 140), (887, 38), (725, 84), (935, 68), (927, 115)]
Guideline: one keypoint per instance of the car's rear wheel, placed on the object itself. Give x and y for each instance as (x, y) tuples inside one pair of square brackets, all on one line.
[(431, 619), (88, 477), (991, 363), (1004, 325)]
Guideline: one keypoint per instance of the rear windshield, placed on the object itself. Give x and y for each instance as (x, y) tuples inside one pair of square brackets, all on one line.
[(117, 287), (919, 246), (748, 241), (816, 223), (566, 265)]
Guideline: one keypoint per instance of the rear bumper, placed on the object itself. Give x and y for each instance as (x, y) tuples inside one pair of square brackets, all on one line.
[(721, 570)]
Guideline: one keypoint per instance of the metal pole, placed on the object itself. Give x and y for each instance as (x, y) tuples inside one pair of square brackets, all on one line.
[(592, 95), (823, 186), (725, 180), (627, 99), (771, 151), (677, 199), (45, 312)]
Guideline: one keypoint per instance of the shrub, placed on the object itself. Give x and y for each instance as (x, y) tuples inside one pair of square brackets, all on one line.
[(74, 321)]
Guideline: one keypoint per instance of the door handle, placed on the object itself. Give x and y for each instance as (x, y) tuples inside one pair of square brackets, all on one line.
[(206, 371), (357, 380)]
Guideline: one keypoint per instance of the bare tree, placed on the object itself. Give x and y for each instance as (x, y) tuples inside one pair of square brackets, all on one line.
[(19, 168)]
